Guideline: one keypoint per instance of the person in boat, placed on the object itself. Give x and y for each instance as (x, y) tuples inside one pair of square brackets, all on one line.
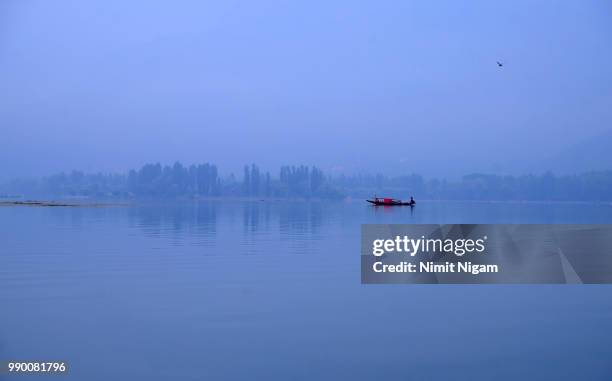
[(412, 202)]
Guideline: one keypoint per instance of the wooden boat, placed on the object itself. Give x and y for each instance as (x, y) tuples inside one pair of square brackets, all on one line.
[(390, 201)]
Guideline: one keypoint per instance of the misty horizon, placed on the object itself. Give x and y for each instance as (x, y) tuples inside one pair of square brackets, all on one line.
[(204, 180)]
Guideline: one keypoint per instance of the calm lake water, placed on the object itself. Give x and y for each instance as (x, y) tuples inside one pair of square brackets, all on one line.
[(271, 291)]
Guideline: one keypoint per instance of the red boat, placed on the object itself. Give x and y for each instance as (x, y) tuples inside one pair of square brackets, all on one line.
[(391, 201)]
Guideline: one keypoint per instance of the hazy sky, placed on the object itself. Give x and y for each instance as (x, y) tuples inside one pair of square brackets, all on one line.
[(397, 86)]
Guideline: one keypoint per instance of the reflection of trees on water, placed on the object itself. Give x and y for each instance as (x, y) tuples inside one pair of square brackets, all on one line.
[(295, 223), (291, 217), (300, 218), (205, 223), (255, 216), (300, 224), (176, 220)]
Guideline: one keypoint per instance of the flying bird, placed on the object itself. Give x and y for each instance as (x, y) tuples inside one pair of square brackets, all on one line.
[(500, 64)]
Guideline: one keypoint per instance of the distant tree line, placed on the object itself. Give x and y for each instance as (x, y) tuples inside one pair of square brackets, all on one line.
[(171, 181), (204, 180), (590, 186), (177, 180)]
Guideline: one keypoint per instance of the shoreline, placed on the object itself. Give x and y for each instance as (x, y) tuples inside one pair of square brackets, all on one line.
[(38, 203), (143, 201)]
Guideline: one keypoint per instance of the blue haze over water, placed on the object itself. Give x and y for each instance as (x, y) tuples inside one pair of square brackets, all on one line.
[(271, 291)]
